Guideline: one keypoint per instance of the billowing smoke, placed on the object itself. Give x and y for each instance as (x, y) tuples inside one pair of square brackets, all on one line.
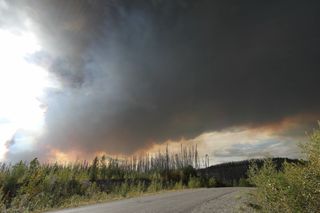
[(134, 73)]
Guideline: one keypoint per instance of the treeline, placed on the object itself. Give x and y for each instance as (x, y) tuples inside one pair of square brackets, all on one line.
[(28, 187), (32, 187), (236, 173)]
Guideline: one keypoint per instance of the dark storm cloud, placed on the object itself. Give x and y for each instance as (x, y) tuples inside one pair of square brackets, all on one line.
[(135, 72)]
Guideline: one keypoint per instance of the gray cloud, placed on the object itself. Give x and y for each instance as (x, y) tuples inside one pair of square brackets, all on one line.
[(277, 148), (135, 72)]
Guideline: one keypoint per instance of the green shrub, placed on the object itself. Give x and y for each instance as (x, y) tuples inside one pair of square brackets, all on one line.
[(186, 173), (124, 189), (296, 188), (178, 185), (194, 182), (139, 188), (212, 182), (243, 182), (156, 185)]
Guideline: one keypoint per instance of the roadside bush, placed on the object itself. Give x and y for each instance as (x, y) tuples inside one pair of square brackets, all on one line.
[(139, 188), (124, 189), (186, 173), (178, 185), (212, 182), (243, 182), (156, 185), (194, 182), (296, 188)]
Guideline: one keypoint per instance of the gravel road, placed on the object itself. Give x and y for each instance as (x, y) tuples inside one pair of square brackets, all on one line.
[(187, 201)]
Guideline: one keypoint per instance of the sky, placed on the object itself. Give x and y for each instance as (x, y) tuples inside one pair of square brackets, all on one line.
[(83, 77)]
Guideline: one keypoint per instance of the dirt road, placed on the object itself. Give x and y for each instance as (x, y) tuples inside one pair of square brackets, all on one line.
[(187, 201)]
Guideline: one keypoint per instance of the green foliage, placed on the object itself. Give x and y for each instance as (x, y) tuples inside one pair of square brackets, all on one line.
[(124, 189), (139, 188), (243, 182), (186, 173), (212, 182), (103, 171), (156, 185), (194, 182), (93, 170), (296, 188), (178, 185), (32, 187)]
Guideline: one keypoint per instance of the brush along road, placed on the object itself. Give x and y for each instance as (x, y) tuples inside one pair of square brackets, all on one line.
[(229, 199)]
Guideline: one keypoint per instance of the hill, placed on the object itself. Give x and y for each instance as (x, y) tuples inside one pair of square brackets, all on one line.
[(229, 174)]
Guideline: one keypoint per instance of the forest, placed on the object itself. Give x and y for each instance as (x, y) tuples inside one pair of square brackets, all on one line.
[(35, 187), (286, 185)]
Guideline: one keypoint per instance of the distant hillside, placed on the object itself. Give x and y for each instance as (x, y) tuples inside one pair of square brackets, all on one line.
[(229, 174)]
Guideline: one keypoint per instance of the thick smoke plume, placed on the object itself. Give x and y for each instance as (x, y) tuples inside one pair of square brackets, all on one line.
[(133, 73)]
